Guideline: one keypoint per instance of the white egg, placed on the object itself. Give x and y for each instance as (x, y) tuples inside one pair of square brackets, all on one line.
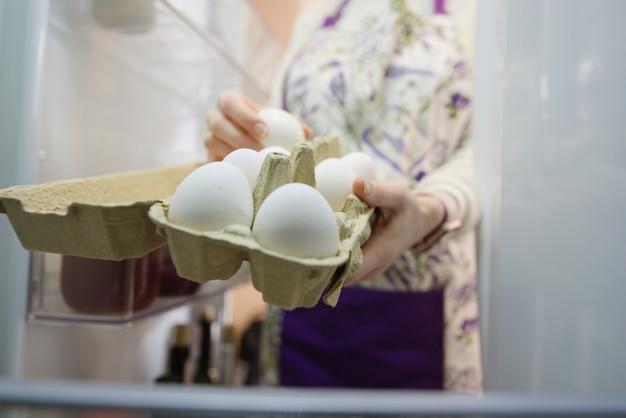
[(362, 163), (333, 179), (212, 197), (247, 160), (274, 148), (284, 129), (296, 220)]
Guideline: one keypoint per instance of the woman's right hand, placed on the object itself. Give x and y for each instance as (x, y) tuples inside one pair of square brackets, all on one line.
[(233, 124)]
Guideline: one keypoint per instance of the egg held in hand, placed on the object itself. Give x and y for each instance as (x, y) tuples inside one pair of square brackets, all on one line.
[(296, 220), (333, 179), (212, 197), (284, 130)]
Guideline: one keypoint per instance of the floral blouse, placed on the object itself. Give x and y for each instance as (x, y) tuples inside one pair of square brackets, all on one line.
[(411, 114)]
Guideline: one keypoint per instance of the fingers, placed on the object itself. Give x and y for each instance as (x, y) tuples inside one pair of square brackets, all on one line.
[(242, 113), (377, 251), (393, 230), (391, 195), (224, 129), (217, 149), (308, 131), (362, 188), (234, 124), (377, 256)]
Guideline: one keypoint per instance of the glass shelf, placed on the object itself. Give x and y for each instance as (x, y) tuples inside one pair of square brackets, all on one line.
[(75, 398), (109, 299)]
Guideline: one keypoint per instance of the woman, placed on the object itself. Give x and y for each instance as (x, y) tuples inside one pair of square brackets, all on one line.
[(393, 83)]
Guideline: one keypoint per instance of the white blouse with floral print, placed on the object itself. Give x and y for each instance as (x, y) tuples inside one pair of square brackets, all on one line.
[(395, 84)]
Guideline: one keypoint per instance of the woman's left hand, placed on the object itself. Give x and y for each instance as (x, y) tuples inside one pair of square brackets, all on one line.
[(404, 219)]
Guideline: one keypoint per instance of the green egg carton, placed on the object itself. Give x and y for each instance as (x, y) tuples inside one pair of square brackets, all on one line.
[(102, 217), (285, 281)]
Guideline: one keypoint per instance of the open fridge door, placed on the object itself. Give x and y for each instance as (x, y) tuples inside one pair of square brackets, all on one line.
[(98, 87)]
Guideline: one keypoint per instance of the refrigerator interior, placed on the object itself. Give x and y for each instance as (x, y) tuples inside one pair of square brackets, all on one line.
[(125, 86), (550, 162)]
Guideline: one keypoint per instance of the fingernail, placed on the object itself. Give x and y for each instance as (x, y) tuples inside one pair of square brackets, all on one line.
[(260, 130), (367, 187)]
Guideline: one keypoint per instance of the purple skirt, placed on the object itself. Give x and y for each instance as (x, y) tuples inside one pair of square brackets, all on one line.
[(371, 339)]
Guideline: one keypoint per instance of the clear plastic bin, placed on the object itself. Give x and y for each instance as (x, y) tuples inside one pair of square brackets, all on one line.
[(92, 291)]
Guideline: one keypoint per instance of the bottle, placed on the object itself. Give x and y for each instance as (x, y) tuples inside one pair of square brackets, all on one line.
[(205, 372), (227, 351), (177, 358), (249, 352)]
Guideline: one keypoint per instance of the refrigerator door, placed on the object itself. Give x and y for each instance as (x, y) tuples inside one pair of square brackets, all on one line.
[(551, 157), (125, 85), (22, 26)]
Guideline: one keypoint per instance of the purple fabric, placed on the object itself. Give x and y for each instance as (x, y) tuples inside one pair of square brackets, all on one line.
[(329, 22), (334, 18), (371, 339), (440, 7)]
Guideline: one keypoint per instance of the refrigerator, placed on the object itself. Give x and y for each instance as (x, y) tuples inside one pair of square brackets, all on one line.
[(112, 87), (549, 159)]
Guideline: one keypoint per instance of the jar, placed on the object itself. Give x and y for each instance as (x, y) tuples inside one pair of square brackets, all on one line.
[(106, 287)]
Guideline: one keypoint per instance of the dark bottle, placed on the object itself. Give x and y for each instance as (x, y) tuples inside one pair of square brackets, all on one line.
[(249, 351), (177, 357), (205, 372)]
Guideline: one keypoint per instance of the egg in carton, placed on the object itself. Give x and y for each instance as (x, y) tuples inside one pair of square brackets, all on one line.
[(283, 280)]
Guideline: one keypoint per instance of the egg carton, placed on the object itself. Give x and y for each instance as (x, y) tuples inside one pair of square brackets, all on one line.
[(101, 217), (285, 281)]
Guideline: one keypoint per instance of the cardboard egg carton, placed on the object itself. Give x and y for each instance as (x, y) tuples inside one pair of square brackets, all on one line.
[(285, 281), (102, 217), (124, 215)]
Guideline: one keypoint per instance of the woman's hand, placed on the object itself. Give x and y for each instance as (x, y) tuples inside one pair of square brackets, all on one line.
[(235, 124), (404, 219)]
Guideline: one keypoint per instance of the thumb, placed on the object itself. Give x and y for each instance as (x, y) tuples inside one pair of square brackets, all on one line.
[(377, 193), (363, 189)]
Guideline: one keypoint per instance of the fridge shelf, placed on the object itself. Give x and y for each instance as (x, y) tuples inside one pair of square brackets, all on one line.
[(162, 42), (67, 289), (124, 94)]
